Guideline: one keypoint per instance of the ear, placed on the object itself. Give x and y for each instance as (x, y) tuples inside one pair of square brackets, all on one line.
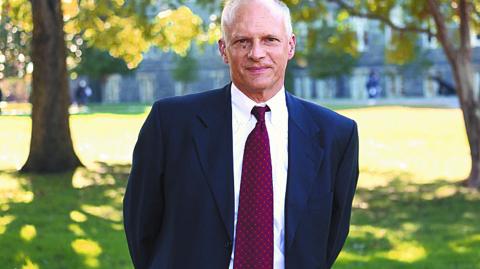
[(222, 47), (291, 46)]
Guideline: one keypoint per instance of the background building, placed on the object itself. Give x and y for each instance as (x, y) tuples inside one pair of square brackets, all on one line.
[(428, 75)]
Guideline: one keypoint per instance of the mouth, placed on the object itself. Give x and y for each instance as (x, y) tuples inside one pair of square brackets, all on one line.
[(257, 69)]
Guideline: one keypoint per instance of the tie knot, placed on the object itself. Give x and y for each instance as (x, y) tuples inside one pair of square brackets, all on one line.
[(259, 112)]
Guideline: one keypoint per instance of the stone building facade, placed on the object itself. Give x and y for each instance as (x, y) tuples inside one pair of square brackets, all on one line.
[(153, 79)]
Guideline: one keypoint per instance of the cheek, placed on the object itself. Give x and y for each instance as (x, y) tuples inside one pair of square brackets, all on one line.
[(281, 58), (235, 67), (235, 60)]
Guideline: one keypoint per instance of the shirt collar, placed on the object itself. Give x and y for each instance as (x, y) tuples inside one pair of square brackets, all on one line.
[(242, 106)]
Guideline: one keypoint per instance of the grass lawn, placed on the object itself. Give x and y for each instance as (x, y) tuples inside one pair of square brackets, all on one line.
[(409, 211)]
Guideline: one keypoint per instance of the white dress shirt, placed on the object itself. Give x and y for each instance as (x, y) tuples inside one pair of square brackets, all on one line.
[(276, 121)]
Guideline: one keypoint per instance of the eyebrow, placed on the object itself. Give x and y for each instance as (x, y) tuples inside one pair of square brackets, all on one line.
[(272, 36), (240, 37), (247, 37)]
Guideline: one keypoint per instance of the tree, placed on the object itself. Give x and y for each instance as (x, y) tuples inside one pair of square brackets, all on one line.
[(325, 57), (451, 23), (123, 28), (51, 147), (185, 71), (97, 64), (330, 48)]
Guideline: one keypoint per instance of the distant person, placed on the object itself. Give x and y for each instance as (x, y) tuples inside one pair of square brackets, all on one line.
[(11, 97), (373, 85), (82, 93), (445, 88)]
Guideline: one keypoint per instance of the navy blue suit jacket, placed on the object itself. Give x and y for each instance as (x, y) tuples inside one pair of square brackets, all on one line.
[(179, 202)]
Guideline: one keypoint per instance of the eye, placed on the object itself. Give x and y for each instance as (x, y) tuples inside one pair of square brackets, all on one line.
[(272, 39)]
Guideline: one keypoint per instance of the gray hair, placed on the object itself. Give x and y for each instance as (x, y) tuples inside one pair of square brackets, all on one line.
[(232, 5)]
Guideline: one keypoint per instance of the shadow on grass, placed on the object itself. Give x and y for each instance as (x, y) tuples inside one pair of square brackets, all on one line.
[(74, 220), (70, 220), (407, 225)]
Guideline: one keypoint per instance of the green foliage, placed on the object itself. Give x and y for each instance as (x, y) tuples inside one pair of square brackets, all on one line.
[(330, 51), (410, 14), (14, 49), (174, 29), (128, 28), (327, 63), (418, 65), (125, 29), (327, 44), (476, 17), (18, 12), (186, 69), (307, 11), (415, 10), (126, 34), (110, 26), (344, 41), (290, 78), (401, 49), (97, 63)]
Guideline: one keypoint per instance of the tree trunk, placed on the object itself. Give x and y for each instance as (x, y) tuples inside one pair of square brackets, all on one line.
[(51, 147), (460, 60), (470, 105)]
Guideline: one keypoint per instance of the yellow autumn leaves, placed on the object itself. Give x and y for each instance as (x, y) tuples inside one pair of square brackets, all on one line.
[(127, 37), (116, 27)]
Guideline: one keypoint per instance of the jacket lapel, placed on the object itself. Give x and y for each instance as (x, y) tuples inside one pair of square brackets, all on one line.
[(304, 160), (213, 140)]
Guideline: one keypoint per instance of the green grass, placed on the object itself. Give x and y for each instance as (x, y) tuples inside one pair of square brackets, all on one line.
[(24, 109), (63, 221), (409, 212), (400, 225)]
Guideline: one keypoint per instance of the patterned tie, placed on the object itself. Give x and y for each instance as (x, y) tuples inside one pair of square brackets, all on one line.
[(254, 234)]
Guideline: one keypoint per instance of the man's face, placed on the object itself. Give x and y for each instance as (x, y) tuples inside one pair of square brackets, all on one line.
[(257, 48)]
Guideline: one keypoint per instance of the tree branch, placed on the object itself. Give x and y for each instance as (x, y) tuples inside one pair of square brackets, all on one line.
[(442, 32), (464, 14), (381, 18)]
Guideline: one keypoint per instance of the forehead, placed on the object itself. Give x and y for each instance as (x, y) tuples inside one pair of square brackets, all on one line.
[(257, 18)]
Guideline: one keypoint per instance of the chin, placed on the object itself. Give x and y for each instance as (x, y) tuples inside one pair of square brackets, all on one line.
[(259, 87), (261, 83)]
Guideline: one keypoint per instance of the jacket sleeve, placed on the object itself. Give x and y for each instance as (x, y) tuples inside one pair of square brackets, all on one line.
[(344, 189), (144, 200)]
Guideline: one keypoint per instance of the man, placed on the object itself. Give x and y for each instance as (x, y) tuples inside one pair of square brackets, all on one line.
[(247, 176)]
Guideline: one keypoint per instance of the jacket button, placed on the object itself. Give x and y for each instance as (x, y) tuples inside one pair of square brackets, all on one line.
[(228, 244)]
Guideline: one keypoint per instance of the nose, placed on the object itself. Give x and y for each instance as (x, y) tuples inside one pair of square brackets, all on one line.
[(257, 51)]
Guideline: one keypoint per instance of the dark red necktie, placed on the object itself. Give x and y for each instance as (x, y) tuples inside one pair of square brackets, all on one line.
[(254, 232)]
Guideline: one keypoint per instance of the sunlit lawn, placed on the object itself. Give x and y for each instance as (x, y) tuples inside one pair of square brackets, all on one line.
[(409, 212)]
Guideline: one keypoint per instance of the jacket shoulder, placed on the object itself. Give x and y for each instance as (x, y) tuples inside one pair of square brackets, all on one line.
[(190, 102)]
